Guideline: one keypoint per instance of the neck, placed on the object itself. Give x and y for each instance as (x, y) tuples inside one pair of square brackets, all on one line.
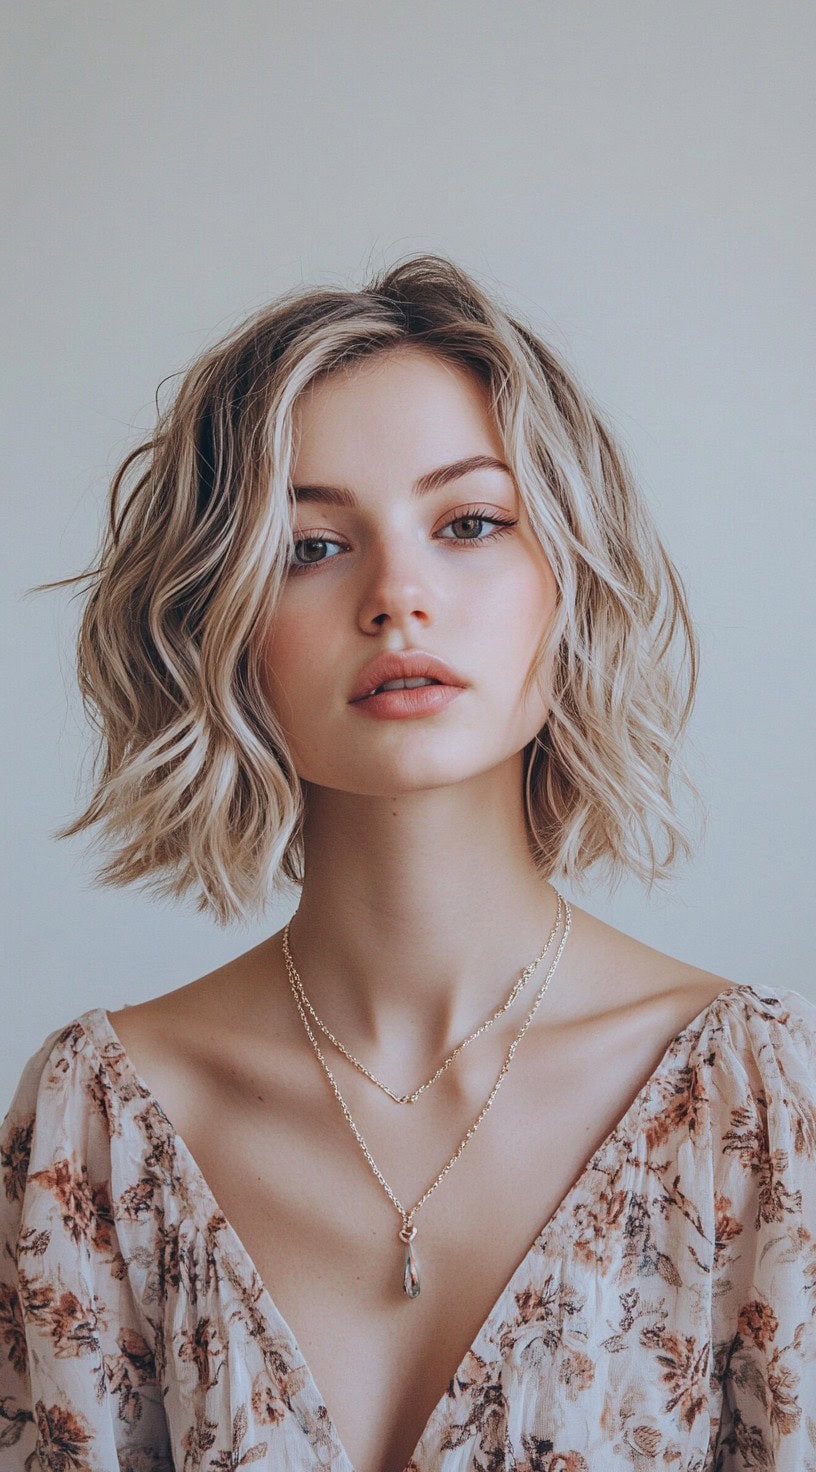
[(418, 913)]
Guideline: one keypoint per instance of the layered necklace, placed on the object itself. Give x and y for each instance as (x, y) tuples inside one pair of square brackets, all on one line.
[(407, 1231)]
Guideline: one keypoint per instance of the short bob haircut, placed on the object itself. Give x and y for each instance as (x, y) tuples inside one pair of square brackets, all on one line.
[(194, 785)]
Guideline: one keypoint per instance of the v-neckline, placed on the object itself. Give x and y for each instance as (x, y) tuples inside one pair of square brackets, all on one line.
[(310, 1392)]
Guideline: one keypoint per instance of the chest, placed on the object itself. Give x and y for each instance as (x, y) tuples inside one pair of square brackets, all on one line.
[(288, 1173)]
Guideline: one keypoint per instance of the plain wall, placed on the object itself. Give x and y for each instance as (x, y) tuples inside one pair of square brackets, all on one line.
[(633, 178)]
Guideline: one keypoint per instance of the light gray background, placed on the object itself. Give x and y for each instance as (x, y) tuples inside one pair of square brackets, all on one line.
[(635, 178)]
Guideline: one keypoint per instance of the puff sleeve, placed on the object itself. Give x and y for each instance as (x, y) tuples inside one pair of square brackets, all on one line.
[(764, 1289), (78, 1385)]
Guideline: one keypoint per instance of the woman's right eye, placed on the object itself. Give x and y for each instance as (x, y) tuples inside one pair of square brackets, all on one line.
[(295, 566)]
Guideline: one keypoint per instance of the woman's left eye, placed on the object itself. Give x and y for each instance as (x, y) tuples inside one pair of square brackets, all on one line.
[(470, 526)]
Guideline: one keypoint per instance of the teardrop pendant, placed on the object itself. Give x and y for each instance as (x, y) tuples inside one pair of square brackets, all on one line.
[(410, 1276)]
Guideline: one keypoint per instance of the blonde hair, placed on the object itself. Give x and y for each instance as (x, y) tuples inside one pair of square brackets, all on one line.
[(194, 786)]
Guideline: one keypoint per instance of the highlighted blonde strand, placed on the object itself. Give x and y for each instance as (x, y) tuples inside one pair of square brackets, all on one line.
[(194, 788)]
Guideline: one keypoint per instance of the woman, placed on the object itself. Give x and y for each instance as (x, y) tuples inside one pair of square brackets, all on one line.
[(445, 1173)]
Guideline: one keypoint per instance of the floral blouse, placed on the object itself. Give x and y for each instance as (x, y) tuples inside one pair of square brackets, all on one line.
[(663, 1318)]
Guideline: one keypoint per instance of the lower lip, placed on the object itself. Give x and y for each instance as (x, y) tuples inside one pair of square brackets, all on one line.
[(397, 705)]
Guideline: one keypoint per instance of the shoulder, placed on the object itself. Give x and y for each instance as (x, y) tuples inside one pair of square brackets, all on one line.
[(607, 968), (635, 997), (751, 1047), (55, 1065), (739, 1084), (64, 1094), (768, 1029), (760, 1043), (188, 1043), (740, 1039), (56, 1141)]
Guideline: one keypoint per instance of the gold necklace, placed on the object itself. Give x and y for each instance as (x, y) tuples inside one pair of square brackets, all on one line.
[(294, 977), (407, 1232)]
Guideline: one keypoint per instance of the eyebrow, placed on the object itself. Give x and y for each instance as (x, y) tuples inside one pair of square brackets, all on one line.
[(432, 481)]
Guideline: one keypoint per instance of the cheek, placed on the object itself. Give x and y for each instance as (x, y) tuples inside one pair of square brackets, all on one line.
[(518, 609), (518, 622), (290, 651)]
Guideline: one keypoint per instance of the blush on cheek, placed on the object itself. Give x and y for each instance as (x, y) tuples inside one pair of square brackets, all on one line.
[(286, 654), (302, 679)]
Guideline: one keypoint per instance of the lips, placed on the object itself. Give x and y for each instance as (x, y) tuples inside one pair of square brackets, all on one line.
[(409, 665)]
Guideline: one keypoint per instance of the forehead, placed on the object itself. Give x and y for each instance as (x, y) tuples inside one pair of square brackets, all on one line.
[(405, 402)]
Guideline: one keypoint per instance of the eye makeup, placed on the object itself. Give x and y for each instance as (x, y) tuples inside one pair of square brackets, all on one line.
[(479, 514)]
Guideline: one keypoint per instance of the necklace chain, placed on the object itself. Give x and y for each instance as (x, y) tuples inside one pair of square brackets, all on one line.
[(295, 979), (408, 1228)]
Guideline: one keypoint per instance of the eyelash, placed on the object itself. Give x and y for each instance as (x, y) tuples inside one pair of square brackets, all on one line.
[(478, 513)]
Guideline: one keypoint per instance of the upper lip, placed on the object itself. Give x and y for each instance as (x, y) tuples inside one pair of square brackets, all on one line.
[(405, 666)]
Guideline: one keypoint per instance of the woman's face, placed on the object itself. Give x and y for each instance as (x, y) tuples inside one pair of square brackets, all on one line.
[(399, 571)]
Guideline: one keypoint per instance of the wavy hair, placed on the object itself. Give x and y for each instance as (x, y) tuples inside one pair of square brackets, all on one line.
[(194, 787)]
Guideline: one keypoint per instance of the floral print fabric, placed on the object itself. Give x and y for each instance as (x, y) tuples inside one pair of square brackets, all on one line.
[(664, 1317)]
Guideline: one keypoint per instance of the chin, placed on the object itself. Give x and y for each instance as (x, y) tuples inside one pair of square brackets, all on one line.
[(388, 776)]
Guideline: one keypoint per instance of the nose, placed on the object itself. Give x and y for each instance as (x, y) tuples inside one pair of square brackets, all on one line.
[(398, 589)]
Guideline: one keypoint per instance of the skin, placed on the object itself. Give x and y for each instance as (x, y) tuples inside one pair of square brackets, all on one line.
[(415, 831), (420, 906)]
